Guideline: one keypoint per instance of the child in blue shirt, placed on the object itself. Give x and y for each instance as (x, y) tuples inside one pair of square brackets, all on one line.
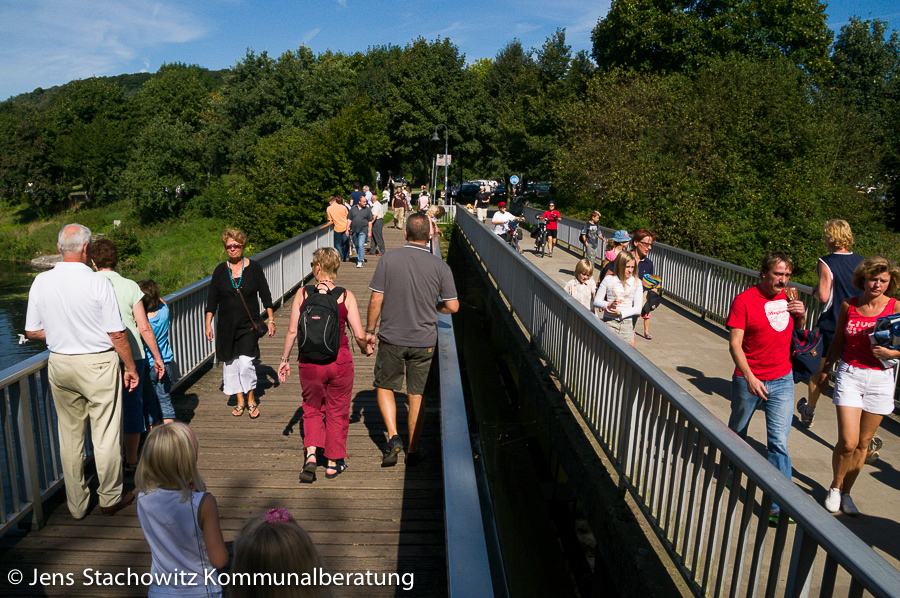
[(157, 398)]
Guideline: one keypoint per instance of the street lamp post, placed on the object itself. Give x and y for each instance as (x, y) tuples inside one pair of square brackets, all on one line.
[(446, 165)]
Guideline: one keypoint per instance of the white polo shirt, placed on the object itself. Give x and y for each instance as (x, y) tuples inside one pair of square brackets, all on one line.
[(377, 209), (75, 307)]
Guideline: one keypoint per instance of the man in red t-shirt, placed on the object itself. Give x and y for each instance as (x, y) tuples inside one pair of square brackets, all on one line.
[(552, 217), (761, 320)]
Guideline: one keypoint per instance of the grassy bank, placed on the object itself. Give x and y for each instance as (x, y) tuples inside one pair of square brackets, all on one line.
[(174, 253)]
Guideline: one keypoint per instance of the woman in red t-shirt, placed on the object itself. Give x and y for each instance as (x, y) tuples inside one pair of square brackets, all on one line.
[(863, 389)]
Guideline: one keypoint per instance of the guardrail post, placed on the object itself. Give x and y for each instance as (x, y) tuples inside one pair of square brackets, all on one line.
[(21, 404), (626, 430), (704, 301), (803, 556)]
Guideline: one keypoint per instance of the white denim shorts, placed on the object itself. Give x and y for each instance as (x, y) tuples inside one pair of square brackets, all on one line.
[(870, 390)]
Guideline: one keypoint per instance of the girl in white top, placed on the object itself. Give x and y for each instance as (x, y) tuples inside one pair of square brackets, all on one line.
[(274, 544), (179, 519), (619, 296), (583, 287)]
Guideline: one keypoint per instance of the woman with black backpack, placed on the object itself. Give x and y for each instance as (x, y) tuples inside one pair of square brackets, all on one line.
[(319, 317)]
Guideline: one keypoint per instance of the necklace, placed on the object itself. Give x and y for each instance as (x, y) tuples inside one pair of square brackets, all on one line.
[(231, 276)]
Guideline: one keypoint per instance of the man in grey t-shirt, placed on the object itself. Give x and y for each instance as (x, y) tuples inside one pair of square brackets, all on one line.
[(418, 286)]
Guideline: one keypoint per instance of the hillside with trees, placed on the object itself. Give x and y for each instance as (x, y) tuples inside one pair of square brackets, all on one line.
[(729, 128)]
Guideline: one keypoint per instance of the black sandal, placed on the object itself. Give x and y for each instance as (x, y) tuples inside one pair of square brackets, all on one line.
[(308, 474), (332, 471)]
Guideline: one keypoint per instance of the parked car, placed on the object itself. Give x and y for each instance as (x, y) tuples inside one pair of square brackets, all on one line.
[(499, 193), (536, 190), (467, 192)]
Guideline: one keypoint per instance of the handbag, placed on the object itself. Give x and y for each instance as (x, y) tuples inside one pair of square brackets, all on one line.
[(259, 326), (806, 354)]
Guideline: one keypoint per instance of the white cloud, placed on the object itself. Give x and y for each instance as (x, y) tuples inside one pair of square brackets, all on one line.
[(50, 42), (309, 35)]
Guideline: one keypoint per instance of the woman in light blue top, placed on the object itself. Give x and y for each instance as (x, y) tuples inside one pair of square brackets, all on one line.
[(157, 392)]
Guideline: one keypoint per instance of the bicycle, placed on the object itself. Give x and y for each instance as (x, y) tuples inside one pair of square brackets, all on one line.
[(515, 235), (540, 241)]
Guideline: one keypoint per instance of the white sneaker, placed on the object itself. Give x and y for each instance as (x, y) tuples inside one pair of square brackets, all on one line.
[(847, 506), (833, 501), (359, 264)]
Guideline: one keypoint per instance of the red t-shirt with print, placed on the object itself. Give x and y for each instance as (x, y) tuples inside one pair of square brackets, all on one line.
[(552, 218), (858, 350), (767, 326)]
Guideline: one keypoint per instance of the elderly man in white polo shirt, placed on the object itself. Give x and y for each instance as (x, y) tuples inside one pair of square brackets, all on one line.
[(74, 310)]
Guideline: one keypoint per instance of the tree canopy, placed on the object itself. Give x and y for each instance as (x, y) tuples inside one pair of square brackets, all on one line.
[(727, 127)]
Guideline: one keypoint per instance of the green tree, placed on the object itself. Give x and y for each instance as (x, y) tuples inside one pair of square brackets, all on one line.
[(166, 168), (737, 159), (867, 77), (682, 35), (415, 88), (176, 92), (294, 171)]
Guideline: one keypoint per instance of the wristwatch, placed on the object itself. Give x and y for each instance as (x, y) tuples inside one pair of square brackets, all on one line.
[(370, 332)]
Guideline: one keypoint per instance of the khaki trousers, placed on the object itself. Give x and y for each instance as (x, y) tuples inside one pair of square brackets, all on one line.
[(87, 390), (400, 218)]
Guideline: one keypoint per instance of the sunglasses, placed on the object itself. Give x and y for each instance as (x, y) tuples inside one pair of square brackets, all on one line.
[(233, 247)]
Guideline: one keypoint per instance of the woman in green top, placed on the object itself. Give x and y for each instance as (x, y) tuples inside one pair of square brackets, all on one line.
[(105, 257)]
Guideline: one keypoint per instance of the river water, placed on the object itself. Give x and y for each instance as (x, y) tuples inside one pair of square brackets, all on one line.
[(15, 280)]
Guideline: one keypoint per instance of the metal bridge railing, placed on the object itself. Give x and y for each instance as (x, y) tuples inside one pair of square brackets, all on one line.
[(673, 456), (468, 565), (699, 283), (30, 470)]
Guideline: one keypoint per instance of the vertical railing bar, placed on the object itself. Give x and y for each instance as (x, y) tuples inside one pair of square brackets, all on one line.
[(740, 550), (702, 519), (803, 555), (730, 511), (696, 467), (829, 576), (759, 544), (778, 545)]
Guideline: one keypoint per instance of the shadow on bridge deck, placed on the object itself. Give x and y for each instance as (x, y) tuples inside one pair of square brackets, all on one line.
[(694, 353), (367, 519)]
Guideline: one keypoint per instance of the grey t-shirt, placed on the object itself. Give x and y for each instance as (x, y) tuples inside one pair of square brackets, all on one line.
[(360, 218), (413, 281)]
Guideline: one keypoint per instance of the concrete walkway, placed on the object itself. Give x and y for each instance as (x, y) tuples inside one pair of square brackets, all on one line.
[(694, 353)]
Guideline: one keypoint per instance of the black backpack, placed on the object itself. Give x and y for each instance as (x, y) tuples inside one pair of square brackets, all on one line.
[(319, 329)]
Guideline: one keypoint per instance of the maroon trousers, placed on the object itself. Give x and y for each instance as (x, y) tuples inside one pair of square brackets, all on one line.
[(326, 404)]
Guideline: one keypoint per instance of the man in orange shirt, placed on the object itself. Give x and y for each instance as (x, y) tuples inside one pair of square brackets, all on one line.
[(337, 216)]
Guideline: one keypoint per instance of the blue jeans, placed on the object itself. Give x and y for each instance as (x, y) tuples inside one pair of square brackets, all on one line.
[(360, 239), (342, 244), (157, 396), (779, 410), (133, 402)]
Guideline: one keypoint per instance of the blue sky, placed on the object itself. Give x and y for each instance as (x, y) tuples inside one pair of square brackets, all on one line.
[(50, 42)]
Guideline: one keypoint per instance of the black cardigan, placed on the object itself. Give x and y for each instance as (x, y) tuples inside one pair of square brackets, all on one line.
[(234, 331)]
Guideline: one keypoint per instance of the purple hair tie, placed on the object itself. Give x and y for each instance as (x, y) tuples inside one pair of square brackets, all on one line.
[(278, 516)]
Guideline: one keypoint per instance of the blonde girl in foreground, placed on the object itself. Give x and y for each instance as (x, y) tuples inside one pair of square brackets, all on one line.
[(180, 520), (275, 544), (620, 295)]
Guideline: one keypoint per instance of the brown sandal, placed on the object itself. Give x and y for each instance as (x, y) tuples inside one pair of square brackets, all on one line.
[(238, 411), (254, 411)]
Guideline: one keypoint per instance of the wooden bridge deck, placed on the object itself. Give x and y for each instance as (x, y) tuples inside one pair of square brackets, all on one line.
[(367, 519)]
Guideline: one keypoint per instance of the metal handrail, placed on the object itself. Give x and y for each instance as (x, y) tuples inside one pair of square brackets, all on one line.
[(468, 565), (673, 456), (699, 283), (30, 469)]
